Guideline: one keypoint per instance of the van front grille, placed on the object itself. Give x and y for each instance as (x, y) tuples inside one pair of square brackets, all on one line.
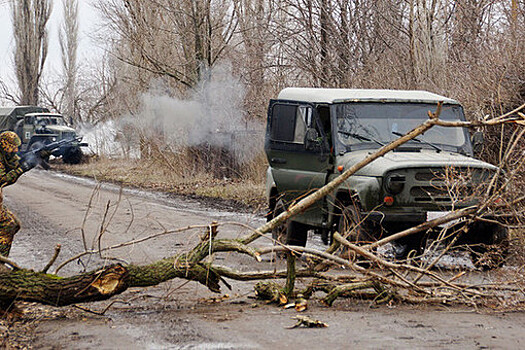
[(440, 185)]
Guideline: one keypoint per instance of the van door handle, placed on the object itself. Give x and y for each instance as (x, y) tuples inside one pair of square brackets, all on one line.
[(278, 160)]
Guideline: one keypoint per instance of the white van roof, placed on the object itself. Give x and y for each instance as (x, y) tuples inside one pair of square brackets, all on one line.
[(44, 115), (318, 95)]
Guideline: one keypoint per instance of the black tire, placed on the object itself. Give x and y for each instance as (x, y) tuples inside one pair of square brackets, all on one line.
[(356, 230), (297, 234), (279, 233), (410, 246), (290, 232), (72, 155), (352, 226)]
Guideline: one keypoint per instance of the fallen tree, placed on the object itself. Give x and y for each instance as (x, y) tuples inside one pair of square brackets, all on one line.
[(382, 280)]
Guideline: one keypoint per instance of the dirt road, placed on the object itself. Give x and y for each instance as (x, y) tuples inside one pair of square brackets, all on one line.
[(55, 208)]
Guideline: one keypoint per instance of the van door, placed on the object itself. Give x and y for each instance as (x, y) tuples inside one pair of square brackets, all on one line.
[(298, 151)]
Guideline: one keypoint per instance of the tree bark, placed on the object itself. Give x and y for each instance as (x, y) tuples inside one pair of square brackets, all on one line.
[(101, 284)]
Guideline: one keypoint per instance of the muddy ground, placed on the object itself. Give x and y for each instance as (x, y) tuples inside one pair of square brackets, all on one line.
[(56, 208)]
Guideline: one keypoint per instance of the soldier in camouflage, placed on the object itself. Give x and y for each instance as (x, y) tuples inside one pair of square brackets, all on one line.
[(11, 167)]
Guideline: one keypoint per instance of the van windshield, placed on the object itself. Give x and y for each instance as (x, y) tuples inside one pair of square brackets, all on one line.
[(364, 125)]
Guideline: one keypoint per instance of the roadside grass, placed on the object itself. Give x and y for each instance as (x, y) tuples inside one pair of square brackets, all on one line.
[(152, 175)]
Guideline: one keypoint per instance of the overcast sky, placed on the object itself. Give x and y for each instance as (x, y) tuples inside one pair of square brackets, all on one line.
[(88, 50)]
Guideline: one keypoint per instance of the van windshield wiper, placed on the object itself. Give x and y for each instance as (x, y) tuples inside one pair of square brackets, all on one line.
[(420, 141), (361, 137)]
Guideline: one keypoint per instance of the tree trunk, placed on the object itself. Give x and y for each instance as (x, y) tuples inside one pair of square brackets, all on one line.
[(29, 29), (102, 284)]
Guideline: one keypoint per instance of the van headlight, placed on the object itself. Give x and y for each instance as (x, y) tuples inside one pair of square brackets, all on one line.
[(394, 183)]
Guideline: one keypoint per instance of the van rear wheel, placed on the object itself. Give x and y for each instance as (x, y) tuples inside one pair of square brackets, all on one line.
[(297, 234), (289, 232), (279, 232)]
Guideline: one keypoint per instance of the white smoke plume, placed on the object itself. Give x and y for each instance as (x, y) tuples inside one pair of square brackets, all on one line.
[(108, 139), (212, 115)]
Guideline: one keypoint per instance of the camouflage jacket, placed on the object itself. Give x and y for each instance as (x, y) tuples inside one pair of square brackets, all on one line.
[(10, 170)]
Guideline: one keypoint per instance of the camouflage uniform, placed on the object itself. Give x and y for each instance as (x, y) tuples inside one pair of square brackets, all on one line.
[(10, 171)]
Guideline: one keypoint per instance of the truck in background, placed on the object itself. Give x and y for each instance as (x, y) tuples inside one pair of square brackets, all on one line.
[(36, 127)]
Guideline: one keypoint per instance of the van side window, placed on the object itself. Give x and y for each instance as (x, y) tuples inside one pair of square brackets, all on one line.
[(283, 122), (324, 118), (302, 122), (290, 122)]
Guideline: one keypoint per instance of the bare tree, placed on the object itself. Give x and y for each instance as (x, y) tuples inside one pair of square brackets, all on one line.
[(69, 46), (340, 43), (30, 18), (428, 51), (174, 40), (251, 57)]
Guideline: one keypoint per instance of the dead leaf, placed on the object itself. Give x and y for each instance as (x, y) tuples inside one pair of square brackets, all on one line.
[(282, 299), (301, 306), (308, 322)]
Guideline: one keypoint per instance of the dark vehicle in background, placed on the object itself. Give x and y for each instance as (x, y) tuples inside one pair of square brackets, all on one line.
[(36, 127), (313, 135)]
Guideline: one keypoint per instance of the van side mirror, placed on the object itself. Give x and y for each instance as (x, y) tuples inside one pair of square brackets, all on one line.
[(477, 141), (311, 138)]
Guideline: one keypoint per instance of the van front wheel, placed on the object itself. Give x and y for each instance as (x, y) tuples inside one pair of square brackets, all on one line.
[(297, 234)]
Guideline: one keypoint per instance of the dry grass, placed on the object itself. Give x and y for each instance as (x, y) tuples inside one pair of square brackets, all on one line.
[(154, 175)]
